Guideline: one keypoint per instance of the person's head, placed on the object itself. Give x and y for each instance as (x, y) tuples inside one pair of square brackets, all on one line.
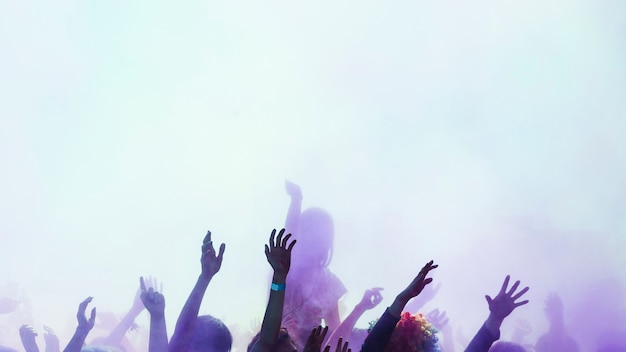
[(554, 309), (211, 335), (413, 333), (285, 342), (315, 240), (503, 346)]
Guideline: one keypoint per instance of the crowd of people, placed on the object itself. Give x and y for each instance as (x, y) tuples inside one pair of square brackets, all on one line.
[(302, 312)]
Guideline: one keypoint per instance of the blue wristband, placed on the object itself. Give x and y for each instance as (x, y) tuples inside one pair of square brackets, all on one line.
[(278, 287)]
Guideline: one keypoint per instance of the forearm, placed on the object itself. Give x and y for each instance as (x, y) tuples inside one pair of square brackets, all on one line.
[(346, 326), (398, 305), (292, 223), (77, 341), (486, 336), (158, 334), (52, 347), (272, 319), (188, 315), (118, 333), (381, 333), (448, 338), (30, 346)]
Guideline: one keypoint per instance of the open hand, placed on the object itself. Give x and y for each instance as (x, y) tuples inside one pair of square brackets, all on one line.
[(315, 340), (504, 302), (341, 347), (278, 253), (211, 263)]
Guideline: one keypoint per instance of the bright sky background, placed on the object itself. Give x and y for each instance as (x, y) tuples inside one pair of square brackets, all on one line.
[(487, 135)]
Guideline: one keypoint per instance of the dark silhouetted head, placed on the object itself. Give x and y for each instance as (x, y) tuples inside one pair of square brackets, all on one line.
[(211, 335)]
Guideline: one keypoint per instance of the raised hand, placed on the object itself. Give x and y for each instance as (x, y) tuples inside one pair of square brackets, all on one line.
[(84, 326), (417, 285), (152, 300), (293, 190), (315, 339), (211, 263), (8, 305), (138, 305), (438, 319), (341, 347), (278, 253), (28, 334), (504, 303), (51, 339), (371, 298), (84, 323)]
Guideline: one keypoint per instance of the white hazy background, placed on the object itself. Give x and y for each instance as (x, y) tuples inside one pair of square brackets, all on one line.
[(486, 135)]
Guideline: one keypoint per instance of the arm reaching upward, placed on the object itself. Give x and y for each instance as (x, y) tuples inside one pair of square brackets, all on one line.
[(84, 326), (500, 307), (371, 299), (278, 254), (381, 333), (292, 223), (211, 264), (155, 304), (28, 334)]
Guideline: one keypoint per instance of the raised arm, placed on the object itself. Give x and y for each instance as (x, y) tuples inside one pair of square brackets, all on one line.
[(278, 254), (292, 223), (84, 327), (381, 333), (28, 334), (211, 264), (52, 341), (500, 307), (371, 299), (155, 304), (119, 332)]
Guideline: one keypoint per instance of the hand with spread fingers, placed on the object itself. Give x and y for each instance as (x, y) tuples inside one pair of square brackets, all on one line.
[(315, 340), (500, 307), (504, 302), (211, 262), (278, 254), (341, 347)]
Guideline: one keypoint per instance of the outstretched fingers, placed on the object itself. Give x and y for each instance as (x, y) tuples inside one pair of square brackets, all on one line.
[(505, 284)]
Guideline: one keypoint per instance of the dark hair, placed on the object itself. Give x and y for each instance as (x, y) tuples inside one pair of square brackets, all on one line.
[(282, 336), (211, 334), (503, 346)]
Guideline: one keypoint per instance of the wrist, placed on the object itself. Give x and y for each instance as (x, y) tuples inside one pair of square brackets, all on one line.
[(493, 324), (279, 278)]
